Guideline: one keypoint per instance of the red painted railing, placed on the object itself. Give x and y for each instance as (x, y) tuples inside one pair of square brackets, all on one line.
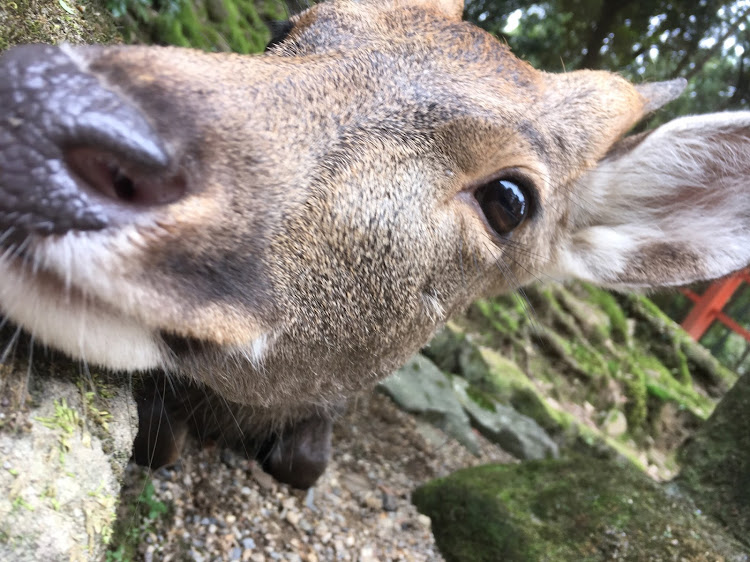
[(708, 306)]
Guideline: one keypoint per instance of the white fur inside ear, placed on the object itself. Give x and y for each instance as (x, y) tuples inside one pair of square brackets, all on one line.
[(685, 187), (596, 252)]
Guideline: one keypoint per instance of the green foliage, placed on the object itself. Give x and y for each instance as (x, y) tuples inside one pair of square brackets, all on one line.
[(212, 25), (135, 519), (707, 42)]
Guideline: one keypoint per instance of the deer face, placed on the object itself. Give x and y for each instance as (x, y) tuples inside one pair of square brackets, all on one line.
[(287, 228)]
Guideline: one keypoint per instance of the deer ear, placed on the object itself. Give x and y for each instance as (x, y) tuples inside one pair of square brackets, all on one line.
[(658, 94), (667, 207)]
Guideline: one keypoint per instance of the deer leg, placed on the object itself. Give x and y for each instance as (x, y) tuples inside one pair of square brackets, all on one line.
[(300, 453), (162, 424)]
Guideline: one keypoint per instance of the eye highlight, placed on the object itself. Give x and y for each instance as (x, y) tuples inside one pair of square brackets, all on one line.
[(505, 203)]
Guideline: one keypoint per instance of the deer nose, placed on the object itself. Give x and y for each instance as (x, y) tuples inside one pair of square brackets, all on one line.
[(74, 155)]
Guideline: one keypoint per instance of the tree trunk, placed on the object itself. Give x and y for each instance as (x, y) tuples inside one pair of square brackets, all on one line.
[(607, 18)]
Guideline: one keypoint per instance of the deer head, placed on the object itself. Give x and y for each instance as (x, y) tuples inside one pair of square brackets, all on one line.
[(289, 227)]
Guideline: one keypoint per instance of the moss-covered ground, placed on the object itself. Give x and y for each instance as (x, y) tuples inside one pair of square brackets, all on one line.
[(591, 367), (579, 508)]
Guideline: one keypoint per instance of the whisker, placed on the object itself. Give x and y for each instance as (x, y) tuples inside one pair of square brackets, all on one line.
[(27, 381)]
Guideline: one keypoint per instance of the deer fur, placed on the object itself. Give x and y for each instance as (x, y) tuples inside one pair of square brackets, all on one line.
[(306, 219)]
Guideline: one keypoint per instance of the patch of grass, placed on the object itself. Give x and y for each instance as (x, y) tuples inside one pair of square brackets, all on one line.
[(66, 421), (136, 518)]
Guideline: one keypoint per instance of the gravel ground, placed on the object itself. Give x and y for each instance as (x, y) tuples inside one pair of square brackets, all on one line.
[(223, 507)]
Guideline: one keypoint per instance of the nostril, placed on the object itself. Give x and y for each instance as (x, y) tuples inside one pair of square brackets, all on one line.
[(125, 189), (118, 180)]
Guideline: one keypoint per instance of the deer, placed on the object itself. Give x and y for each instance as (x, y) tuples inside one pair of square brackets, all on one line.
[(258, 238)]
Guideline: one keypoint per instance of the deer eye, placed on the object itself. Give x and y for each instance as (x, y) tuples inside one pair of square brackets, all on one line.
[(505, 204)]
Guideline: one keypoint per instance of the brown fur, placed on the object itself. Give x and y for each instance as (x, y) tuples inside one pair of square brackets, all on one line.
[(401, 106), (329, 205)]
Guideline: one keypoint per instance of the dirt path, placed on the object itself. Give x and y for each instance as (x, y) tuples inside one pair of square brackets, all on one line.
[(223, 507)]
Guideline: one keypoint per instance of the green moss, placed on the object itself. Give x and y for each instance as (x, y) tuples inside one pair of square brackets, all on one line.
[(683, 370), (690, 362), (488, 368), (608, 304), (546, 302), (576, 355), (661, 385), (529, 402), (590, 360), (213, 25), (65, 421), (580, 508), (482, 399), (716, 462), (504, 314), (445, 348), (636, 391)]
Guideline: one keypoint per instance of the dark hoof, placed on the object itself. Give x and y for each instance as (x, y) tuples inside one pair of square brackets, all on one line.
[(300, 454)]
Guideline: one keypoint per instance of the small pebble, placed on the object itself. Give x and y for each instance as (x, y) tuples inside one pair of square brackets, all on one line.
[(248, 544), (293, 517), (355, 512)]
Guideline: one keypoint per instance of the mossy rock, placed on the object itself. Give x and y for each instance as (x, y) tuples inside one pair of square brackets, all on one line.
[(579, 508), (507, 383), (687, 360), (607, 303), (716, 462), (64, 453), (453, 351), (445, 348), (506, 314)]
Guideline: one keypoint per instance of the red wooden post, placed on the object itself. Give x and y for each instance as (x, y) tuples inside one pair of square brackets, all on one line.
[(708, 307)]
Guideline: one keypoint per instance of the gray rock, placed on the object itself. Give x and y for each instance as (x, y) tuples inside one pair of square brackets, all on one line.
[(65, 456), (615, 423), (520, 435), (419, 387)]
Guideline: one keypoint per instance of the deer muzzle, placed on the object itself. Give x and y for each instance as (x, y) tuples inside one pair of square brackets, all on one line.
[(74, 155)]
